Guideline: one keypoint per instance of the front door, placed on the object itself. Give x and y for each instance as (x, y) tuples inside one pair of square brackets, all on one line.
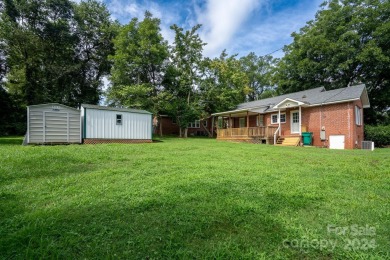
[(294, 122)]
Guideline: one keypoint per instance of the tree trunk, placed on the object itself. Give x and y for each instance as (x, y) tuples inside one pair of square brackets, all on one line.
[(186, 132), (180, 133), (160, 124)]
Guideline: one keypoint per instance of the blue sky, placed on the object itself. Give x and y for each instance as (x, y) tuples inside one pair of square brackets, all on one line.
[(239, 26)]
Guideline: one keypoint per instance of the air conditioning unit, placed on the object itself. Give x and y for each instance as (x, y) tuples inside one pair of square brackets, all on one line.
[(368, 145)]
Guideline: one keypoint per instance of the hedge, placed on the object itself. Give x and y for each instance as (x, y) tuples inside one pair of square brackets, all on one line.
[(380, 134)]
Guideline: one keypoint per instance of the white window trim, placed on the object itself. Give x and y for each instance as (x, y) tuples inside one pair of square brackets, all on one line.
[(277, 116), (195, 124), (358, 116)]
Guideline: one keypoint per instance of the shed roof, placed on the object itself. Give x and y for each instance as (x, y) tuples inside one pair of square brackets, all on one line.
[(129, 110), (53, 104)]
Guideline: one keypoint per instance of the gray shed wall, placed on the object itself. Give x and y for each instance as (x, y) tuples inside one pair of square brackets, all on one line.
[(53, 123)]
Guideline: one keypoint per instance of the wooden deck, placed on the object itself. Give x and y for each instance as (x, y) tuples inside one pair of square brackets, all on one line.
[(247, 133)]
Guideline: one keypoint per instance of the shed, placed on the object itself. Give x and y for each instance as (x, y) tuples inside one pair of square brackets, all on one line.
[(53, 123), (115, 125)]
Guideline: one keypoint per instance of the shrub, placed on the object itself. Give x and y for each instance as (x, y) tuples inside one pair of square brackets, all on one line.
[(380, 134)]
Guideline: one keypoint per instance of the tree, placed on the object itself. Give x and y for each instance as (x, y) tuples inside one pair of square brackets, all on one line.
[(56, 51), (347, 43), (258, 69), (181, 80), (138, 65), (224, 84), (95, 33)]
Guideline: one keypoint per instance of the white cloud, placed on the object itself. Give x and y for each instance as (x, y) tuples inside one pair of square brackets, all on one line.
[(221, 20), (274, 30), (240, 26)]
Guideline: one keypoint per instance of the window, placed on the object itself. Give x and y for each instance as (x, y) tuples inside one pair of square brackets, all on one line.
[(260, 120), (282, 118), (358, 115), (274, 118), (242, 122), (195, 124), (118, 119)]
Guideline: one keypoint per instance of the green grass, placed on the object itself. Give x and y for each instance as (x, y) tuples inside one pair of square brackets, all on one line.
[(191, 198)]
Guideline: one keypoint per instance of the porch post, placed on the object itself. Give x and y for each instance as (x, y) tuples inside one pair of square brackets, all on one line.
[(247, 123), (230, 125), (247, 119), (280, 130), (300, 120)]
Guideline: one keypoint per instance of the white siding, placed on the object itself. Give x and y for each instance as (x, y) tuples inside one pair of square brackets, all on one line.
[(102, 124), (53, 123)]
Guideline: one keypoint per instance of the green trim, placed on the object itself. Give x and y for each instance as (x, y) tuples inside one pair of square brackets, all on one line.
[(85, 123), (151, 128)]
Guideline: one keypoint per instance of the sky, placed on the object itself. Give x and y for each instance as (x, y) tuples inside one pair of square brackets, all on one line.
[(239, 26)]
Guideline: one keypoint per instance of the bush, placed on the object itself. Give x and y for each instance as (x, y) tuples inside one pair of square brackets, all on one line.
[(380, 134)]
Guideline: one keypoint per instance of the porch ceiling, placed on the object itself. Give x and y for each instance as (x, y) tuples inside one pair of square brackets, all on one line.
[(242, 112)]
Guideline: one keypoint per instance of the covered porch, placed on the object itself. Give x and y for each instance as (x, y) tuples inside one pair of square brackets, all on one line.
[(245, 125), (273, 124)]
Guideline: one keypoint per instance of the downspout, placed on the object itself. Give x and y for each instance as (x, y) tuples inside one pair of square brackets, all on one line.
[(300, 120), (280, 130)]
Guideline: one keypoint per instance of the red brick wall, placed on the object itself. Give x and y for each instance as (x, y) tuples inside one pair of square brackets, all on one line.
[(338, 119), (169, 128)]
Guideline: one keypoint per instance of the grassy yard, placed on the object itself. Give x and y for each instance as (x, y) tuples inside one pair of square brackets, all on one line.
[(193, 198)]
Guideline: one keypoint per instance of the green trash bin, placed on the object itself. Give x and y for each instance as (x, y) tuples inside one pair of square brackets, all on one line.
[(307, 138)]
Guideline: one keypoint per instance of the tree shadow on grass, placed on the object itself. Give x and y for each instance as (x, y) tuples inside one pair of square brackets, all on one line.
[(61, 165), (5, 140), (171, 225)]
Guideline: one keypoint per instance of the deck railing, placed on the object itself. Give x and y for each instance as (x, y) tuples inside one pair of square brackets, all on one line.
[(261, 131)]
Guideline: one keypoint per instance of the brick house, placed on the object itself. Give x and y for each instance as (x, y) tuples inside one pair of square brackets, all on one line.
[(335, 118), (168, 126)]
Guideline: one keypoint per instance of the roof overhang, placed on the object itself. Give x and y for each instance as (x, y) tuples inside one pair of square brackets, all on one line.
[(242, 112), (289, 102)]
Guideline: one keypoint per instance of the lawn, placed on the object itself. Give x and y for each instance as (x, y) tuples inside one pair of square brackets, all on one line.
[(193, 198)]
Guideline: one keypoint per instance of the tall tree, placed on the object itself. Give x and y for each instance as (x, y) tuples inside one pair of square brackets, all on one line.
[(95, 33), (138, 65), (347, 43), (224, 84), (259, 71), (181, 81), (56, 51)]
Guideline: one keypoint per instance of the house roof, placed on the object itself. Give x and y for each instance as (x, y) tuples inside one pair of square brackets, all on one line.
[(130, 110), (310, 97)]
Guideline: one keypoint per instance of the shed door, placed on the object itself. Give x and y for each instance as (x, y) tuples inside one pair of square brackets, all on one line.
[(56, 127), (336, 141)]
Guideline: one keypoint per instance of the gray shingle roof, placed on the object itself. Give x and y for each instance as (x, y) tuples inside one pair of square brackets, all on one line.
[(311, 97), (139, 111)]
